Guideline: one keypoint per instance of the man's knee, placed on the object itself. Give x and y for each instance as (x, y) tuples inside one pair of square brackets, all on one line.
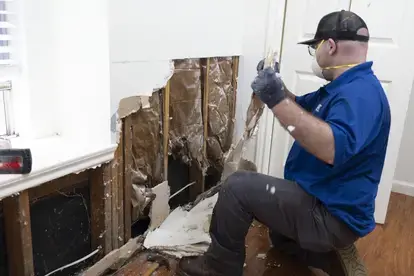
[(237, 182)]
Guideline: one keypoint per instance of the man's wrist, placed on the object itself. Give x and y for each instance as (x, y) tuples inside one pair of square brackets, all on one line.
[(274, 103)]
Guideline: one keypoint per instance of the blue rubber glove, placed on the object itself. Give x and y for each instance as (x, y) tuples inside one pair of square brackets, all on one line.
[(268, 87)]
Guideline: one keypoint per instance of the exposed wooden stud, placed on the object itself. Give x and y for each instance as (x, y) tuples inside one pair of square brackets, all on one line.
[(59, 184), (18, 235), (206, 91), (195, 173), (127, 141), (235, 66), (117, 178), (101, 228), (235, 69), (166, 127), (120, 155), (112, 171)]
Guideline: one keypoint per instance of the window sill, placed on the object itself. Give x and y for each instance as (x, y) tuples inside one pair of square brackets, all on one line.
[(54, 157)]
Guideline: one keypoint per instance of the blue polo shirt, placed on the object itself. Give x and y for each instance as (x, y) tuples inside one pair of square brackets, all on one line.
[(356, 108)]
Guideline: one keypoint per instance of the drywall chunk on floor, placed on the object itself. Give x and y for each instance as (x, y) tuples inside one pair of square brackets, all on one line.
[(184, 233), (186, 124), (144, 129), (220, 107), (160, 209)]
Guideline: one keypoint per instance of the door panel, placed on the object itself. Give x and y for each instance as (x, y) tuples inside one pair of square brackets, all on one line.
[(391, 50), (301, 20), (390, 25)]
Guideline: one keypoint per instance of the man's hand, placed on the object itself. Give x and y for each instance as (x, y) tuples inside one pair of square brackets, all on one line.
[(269, 87), (259, 68)]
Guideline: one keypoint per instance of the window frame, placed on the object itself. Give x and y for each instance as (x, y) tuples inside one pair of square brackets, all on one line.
[(6, 90)]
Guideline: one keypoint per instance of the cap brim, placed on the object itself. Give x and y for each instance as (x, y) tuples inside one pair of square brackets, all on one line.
[(309, 42)]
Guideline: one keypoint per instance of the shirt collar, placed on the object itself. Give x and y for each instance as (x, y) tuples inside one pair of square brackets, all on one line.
[(349, 75)]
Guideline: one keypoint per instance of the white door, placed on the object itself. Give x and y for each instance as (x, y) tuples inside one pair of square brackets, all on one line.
[(392, 50)]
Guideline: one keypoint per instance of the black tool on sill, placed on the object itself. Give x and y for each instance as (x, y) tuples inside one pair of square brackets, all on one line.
[(15, 161)]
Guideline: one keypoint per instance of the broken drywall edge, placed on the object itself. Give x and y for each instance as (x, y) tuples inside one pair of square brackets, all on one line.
[(134, 98), (160, 209), (129, 104)]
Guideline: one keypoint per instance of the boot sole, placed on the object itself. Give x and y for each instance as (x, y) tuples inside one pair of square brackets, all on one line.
[(352, 263)]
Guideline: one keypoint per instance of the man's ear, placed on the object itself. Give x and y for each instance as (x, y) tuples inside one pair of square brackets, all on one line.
[(332, 46)]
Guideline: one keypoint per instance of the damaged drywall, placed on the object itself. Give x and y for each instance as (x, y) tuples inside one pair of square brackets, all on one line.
[(221, 98), (127, 86), (143, 115), (185, 232), (186, 118)]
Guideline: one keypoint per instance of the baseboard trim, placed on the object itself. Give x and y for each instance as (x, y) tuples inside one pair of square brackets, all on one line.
[(403, 187)]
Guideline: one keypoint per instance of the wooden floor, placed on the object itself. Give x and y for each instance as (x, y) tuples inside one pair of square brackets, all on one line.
[(388, 251)]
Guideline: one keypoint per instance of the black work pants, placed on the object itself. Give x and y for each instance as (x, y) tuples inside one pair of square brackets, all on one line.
[(297, 221)]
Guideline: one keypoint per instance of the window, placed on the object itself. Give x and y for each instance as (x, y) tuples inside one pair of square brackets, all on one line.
[(7, 27)]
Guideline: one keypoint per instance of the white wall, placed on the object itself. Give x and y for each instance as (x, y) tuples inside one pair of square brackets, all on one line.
[(37, 60), (123, 46), (64, 66), (144, 37), (404, 173)]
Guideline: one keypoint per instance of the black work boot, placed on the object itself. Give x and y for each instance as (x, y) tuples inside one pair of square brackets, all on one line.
[(195, 266), (342, 262)]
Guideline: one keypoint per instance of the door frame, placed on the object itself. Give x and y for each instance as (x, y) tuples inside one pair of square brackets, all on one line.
[(274, 41)]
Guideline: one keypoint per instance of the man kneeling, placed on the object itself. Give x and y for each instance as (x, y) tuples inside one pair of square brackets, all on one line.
[(327, 199)]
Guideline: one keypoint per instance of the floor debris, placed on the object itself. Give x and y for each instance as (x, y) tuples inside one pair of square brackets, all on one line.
[(160, 209), (184, 233)]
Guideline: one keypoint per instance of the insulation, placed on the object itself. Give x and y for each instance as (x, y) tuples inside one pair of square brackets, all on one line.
[(185, 231), (220, 107), (145, 133), (186, 119)]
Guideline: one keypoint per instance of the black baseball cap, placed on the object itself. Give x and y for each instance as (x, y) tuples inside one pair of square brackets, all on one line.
[(339, 25)]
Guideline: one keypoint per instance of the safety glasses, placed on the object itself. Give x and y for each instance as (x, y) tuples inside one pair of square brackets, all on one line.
[(314, 47)]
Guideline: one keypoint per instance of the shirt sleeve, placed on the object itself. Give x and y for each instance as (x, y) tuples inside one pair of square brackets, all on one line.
[(353, 121), (306, 101)]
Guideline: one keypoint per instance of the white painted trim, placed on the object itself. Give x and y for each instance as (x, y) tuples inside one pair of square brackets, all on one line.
[(275, 21), (53, 158), (403, 187)]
